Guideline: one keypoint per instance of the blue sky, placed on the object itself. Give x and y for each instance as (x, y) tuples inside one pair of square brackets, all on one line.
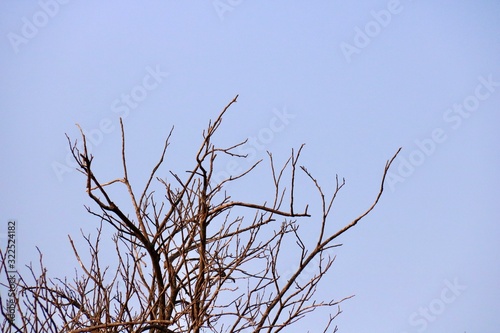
[(353, 80)]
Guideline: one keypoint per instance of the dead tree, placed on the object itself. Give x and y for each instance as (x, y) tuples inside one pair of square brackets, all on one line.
[(195, 260)]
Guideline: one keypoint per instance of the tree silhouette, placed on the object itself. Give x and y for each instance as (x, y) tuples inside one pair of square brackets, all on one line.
[(194, 261)]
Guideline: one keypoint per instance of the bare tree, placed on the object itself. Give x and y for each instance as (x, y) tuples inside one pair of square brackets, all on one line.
[(194, 261)]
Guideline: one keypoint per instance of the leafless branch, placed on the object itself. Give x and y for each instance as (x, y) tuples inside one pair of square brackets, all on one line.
[(198, 260)]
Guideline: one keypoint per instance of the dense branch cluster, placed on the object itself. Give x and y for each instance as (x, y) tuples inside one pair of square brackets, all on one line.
[(194, 261)]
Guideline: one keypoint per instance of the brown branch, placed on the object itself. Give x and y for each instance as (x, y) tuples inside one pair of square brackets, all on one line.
[(221, 270)]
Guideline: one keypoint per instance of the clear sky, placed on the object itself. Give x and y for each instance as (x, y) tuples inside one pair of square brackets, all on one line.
[(354, 80)]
